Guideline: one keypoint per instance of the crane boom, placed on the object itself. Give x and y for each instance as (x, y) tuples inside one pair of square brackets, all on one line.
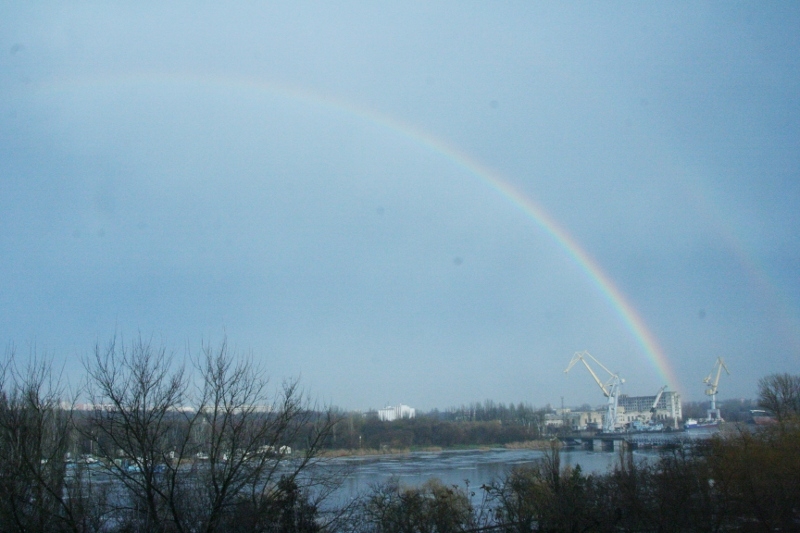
[(718, 366), (610, 388), (580, 356), (655, 402)]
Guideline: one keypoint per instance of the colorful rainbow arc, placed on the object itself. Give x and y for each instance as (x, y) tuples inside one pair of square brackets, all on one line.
[(540, 217)]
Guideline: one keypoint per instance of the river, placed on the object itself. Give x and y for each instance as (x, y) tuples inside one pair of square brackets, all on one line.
[(461, 468), (474, 467)]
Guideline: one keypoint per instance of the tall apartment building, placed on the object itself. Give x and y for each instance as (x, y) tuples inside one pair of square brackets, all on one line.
[(638, 407)]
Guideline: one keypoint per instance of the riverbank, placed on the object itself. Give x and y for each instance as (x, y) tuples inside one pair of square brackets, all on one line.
[(371, 452)]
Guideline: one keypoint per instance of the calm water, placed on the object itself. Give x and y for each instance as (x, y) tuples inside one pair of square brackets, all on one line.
[(473, 467)]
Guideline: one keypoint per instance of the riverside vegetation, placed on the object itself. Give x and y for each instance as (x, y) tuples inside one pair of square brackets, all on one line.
[(204, 447)]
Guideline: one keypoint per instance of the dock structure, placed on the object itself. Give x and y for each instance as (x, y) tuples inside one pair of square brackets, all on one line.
[(644, 440)]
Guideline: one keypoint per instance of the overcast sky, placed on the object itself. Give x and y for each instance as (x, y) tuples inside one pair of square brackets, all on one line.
[(275, 173)]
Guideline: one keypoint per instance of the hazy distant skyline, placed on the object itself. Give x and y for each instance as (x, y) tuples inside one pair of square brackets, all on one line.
[(408, 203)]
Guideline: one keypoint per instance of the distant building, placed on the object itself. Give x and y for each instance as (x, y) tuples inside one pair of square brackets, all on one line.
[(387, 414), (575, 420), (667, 409)]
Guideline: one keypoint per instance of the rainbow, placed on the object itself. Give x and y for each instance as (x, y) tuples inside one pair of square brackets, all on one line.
[(619, 303)]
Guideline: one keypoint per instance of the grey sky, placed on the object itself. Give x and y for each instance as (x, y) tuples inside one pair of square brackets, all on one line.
[(151, 181)]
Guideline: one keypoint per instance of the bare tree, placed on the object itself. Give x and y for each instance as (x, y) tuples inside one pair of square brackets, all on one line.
[(208, 450), (35, 439), (249, 443), (780, 393), (136, 392)]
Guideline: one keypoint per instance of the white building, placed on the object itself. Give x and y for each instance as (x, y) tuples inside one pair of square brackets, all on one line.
[(388, 413), (668, 409)]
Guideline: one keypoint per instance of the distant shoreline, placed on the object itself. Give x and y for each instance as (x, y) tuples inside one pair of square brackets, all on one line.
[(370, 452)]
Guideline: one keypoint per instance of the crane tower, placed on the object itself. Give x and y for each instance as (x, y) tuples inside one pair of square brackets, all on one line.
[(712, 386), (610, 388)]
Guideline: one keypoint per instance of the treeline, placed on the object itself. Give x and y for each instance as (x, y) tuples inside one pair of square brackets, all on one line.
[(477, 424), (425, 431), (490, 411)]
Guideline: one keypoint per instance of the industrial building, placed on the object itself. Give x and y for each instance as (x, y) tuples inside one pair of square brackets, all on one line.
[(575, 420), (629, 409), (667, 409)]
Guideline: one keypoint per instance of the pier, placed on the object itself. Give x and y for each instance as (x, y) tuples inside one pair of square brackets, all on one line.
[(613, 441)]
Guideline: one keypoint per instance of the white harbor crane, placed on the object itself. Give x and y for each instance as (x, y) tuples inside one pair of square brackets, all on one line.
[(711, 390), (655, 403), (610, 388)]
